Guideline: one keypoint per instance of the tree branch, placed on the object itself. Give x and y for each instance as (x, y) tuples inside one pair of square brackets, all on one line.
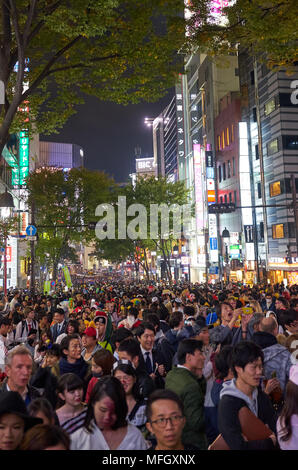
[(81, 65), (30, 18), (47, 68)]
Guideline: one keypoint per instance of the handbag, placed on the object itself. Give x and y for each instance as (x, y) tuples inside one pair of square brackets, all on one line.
[(253, 429)]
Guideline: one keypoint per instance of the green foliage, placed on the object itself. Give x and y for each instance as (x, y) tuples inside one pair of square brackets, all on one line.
[(268, 29), (146, 191), (64, 204), (120, 51)]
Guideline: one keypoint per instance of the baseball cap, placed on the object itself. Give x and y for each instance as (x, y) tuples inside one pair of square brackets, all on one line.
[(100, 317)]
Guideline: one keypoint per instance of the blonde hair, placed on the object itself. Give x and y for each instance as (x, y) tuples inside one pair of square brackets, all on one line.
[(17, 351)]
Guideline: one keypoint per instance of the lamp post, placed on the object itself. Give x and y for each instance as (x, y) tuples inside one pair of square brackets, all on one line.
[(226, 237)]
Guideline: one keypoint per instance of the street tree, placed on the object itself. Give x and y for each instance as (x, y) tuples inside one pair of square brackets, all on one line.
[(54, 52), (149, 204), (267, 29), (64, 204)]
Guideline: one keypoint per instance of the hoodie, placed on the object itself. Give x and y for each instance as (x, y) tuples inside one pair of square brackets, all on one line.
[(229, 388), (231, 402), (277, 358)]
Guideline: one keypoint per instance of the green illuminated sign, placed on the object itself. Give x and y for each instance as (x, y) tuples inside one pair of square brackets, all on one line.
[(20, 174)]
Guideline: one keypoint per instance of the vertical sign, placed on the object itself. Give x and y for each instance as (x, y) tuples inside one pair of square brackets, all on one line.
[(180, 123)]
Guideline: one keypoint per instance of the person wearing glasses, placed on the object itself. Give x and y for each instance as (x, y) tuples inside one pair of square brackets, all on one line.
[(166, 420)]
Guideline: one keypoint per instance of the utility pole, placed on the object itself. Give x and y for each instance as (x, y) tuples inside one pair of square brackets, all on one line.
[(295, 210), (32, 253)]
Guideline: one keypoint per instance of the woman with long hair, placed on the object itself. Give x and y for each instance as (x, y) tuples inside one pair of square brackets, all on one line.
[(287, 423), (106, 427), (135, 403)]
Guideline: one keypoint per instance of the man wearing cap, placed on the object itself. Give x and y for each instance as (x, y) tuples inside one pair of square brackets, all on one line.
[(102, 335), (91, 344)]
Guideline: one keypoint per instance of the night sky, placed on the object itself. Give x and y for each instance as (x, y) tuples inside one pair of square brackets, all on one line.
[(109, 134)]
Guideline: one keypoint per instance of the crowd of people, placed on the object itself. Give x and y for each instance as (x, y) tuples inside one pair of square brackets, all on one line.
[(118, 366)]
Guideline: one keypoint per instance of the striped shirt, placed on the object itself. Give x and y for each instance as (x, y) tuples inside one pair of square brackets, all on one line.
[(72, 424)]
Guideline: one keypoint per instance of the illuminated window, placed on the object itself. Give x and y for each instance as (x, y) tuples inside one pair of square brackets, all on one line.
[(275, 189), (270, 106), (272, 147), (278, 231), (223, 139), (218, 142), (232, 133), (228, 137)]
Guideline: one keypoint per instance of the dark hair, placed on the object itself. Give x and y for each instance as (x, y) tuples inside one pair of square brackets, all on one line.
[(290, 408), (162, 394), (222, 361), (187, 346), (163, 312), (66, 342), (75, 324), (105, 360), (42, 436), (119, 335), (153, 319), (5, 321), (189, 310), (287, 317), (131, 346), (244, 353), (129, 370), (60, 311), (283, 301), (43, 405), (133, 311), (53, 350), (68, 382), (112, 388), (144, 326), (175, 319)]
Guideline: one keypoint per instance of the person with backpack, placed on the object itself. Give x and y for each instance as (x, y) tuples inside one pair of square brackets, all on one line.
[(24, 327)]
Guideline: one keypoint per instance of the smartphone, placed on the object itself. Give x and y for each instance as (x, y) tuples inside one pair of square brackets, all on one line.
[(247, 310)]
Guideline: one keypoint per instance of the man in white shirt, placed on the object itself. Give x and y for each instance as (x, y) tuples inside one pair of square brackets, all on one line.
[(14, 301), (25, 326)]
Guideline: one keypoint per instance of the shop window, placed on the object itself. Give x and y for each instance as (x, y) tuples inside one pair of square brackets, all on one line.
[(275, 189), (278, 231)]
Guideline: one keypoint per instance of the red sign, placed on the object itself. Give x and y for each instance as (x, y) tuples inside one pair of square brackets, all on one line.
[(8, 254)]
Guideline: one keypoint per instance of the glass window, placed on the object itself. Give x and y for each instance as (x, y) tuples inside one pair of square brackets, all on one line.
[(275, 188), (234, 167), (229, 169), (232, 133), (228, 137), (226, 199), (218, 142), (259, 191), (272, 147), (257, 151), (224, 171), (230, 197), (270, 106), (219, 173), (235, 196), (278, 231), (223, 139), (290, 142)]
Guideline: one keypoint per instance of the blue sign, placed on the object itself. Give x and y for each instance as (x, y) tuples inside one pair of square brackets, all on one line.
[(213, 270), (31, 230), (213, 243)]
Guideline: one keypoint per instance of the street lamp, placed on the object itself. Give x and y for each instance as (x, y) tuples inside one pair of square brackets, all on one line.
[(226, 236)]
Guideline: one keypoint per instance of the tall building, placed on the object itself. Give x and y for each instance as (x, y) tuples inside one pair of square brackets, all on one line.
[(271, 115), (60, 155), (166, 135), (205, 83)]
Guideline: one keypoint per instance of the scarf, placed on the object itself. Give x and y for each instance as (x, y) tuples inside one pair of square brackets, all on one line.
[(79, 367)]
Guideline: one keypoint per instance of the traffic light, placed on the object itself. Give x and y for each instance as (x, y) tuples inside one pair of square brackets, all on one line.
[(222, 208)]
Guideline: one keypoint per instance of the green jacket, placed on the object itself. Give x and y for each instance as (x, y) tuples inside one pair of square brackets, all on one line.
[(191, 390)]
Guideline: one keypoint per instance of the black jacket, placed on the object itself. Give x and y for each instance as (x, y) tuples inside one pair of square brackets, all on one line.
[(229, 424), (32, 391), (145, 383), (43, 378)]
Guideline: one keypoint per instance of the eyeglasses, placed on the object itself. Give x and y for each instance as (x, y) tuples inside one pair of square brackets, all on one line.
[(162, 422)]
